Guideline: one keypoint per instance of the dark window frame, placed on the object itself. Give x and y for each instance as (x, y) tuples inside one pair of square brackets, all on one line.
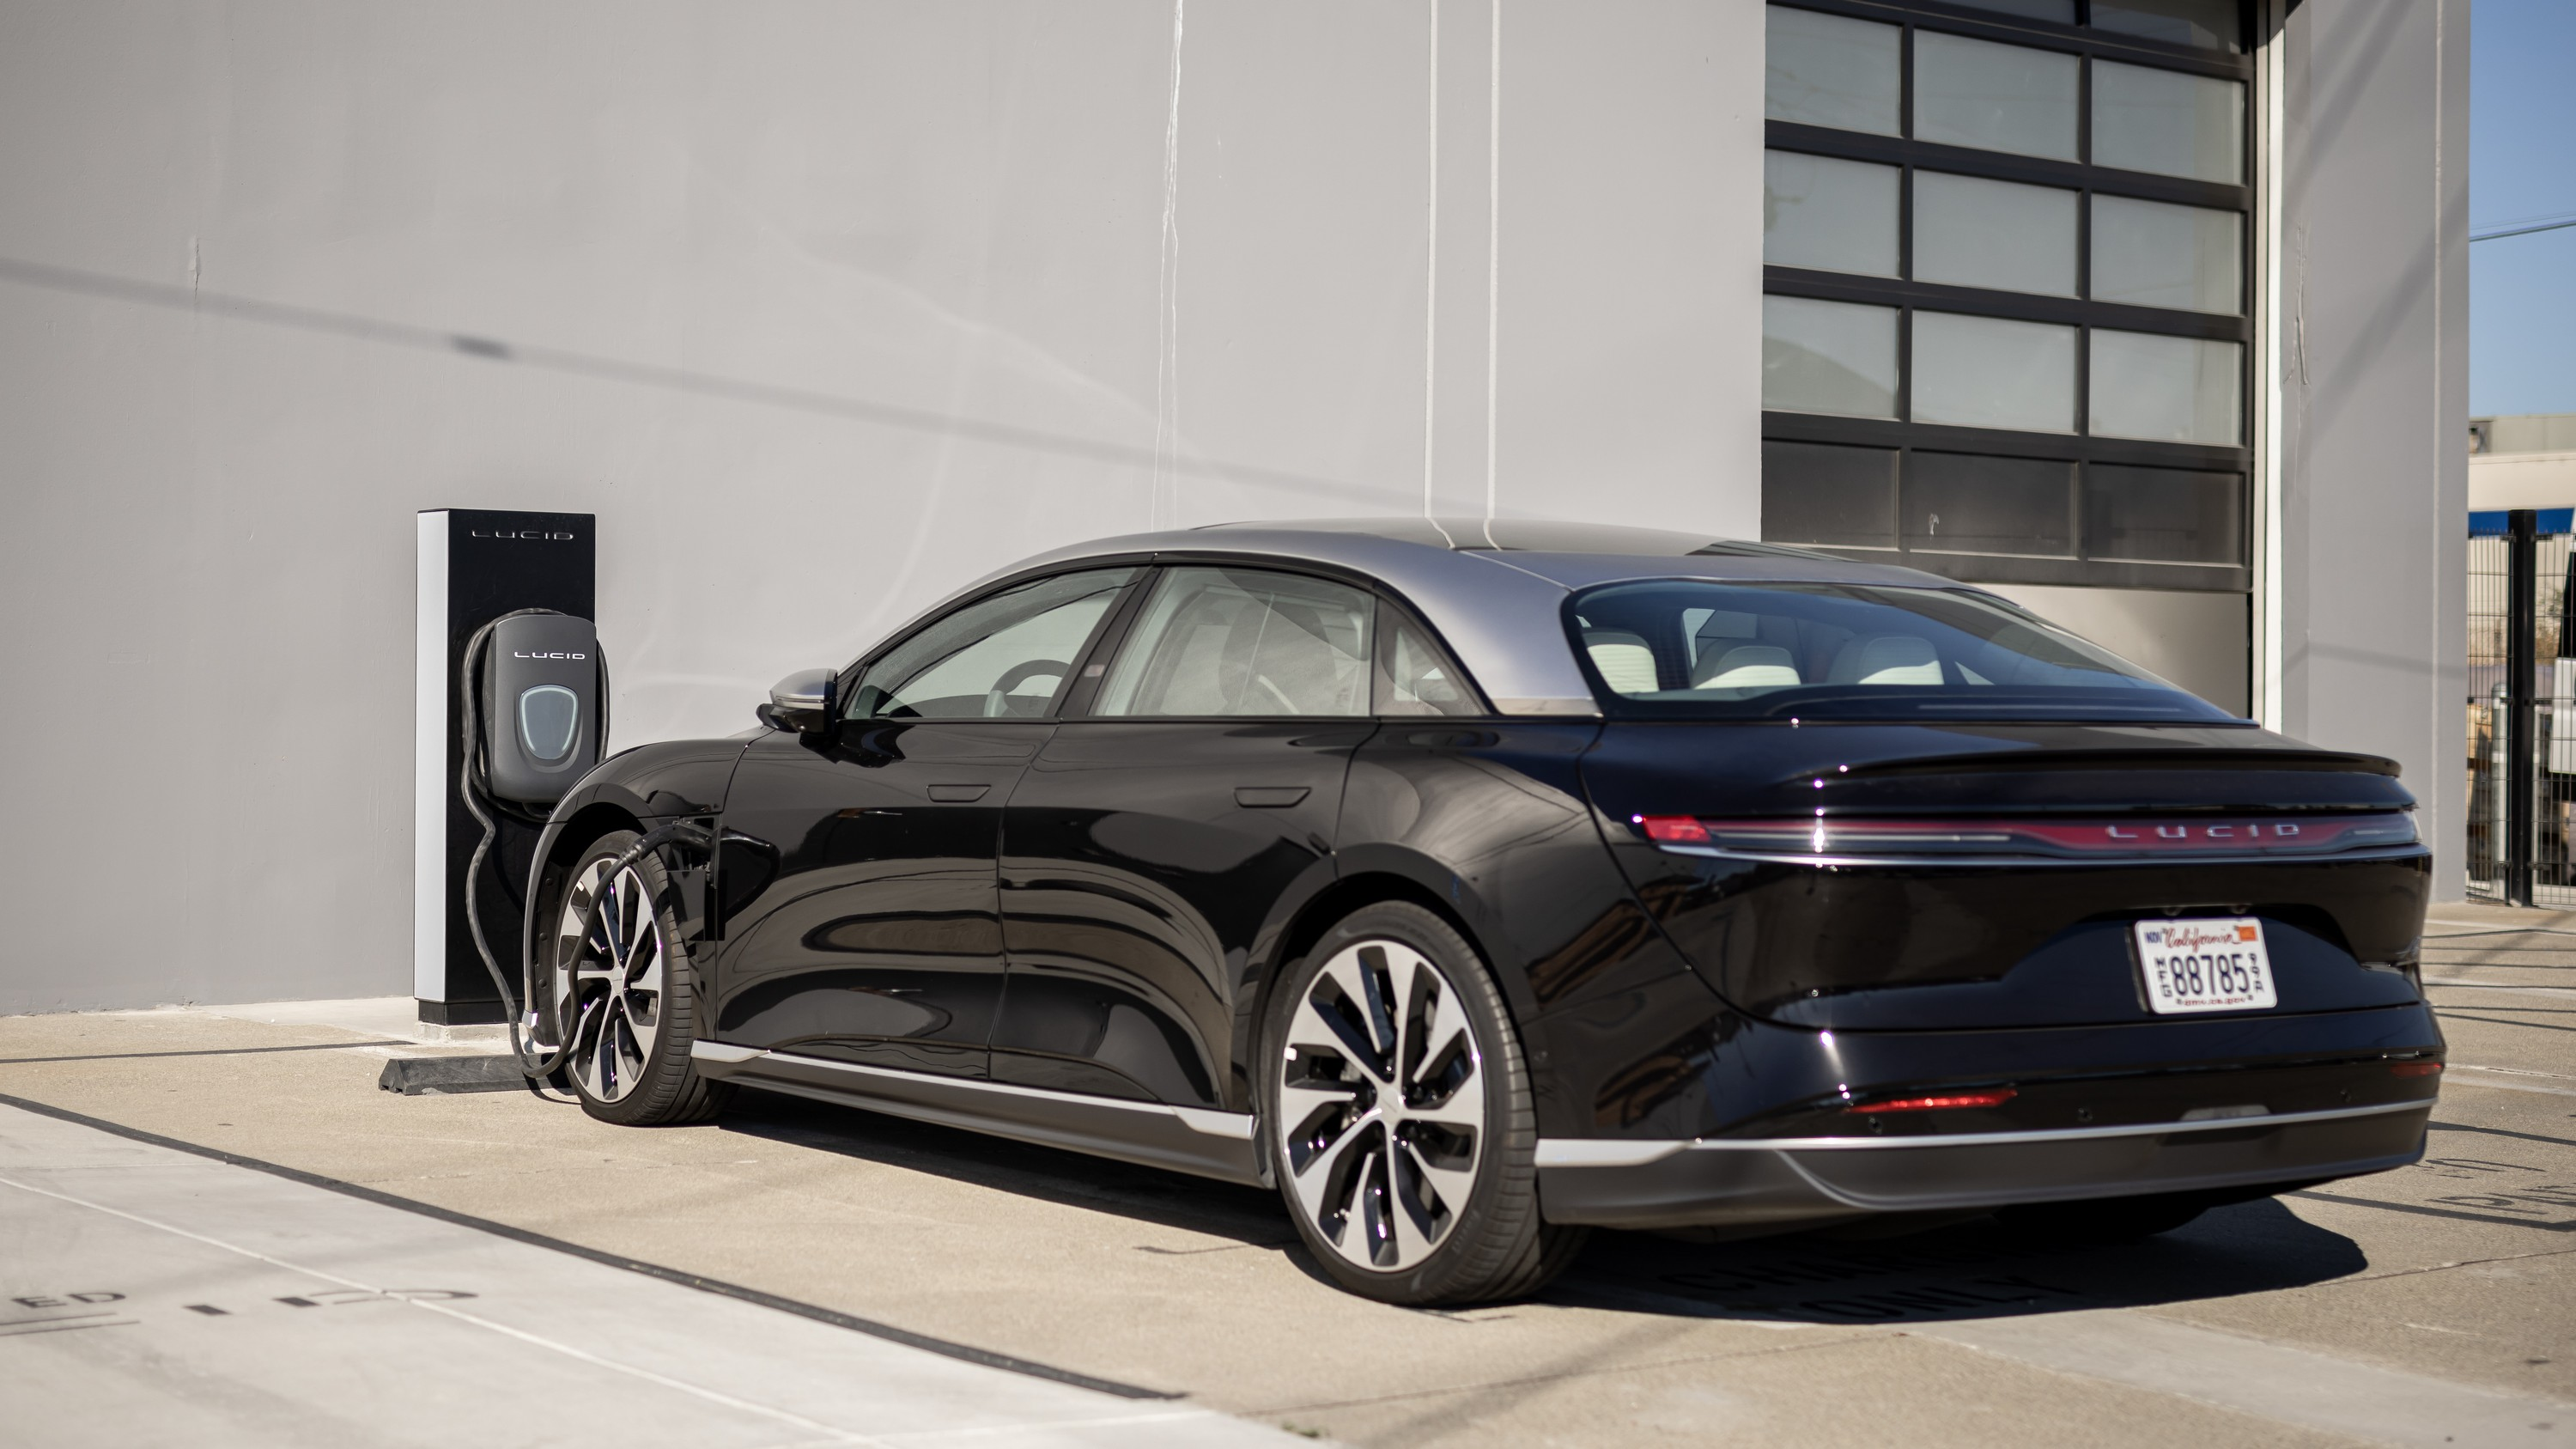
[(1906, 295)]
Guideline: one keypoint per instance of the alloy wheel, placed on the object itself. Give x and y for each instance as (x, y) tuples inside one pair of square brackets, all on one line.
[(1381, 1105), (610, 994)]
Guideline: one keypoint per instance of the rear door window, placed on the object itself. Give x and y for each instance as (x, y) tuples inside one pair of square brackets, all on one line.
[(1215, 642)]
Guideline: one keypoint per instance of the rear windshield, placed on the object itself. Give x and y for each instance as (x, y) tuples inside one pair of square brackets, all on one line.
[(1687, 649)]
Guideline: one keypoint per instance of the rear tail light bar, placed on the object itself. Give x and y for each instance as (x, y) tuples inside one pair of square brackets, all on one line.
[(2077, 839)]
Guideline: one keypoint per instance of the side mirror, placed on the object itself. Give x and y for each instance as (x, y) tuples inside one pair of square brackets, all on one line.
[(801, 702)]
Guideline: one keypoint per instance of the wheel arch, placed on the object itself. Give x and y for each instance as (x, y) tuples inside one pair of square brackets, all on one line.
[(1307, 925), (562, 843), (574, 834)]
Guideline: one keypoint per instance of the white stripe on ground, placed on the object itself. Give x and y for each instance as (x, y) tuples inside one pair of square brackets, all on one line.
[(841, 1436), (2511, 1071), (634, 1360), (2498, 931), (2464, 1076), (2500, 986), (2268, 1380)]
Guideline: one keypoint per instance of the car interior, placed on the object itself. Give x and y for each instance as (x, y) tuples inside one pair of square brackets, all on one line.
[(1720, 642)]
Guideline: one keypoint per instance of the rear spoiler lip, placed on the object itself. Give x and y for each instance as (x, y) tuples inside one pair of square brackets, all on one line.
[(2218, 759)]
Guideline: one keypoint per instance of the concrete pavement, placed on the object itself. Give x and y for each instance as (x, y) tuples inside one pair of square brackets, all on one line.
[(2431, 1305)]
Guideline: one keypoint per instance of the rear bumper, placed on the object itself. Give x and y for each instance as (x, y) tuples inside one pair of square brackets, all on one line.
[(1750, 1181)]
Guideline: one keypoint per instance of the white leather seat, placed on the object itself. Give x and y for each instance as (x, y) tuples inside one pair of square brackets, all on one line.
[(1888, 659)]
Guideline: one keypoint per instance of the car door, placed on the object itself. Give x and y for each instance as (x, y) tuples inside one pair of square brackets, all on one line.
[(870, 933), (1156, 831)]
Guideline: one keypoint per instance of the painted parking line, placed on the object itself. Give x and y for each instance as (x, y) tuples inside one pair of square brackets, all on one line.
[(2437, 984), (623, 1262), (2458, 1074), (263, 1311), (2269, 1380)]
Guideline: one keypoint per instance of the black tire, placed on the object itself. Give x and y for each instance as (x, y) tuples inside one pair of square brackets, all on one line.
[(628, 1080), (2104, 1222), (1493, 1244)]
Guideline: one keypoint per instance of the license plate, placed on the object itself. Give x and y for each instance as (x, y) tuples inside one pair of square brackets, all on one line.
[(2214, 964)]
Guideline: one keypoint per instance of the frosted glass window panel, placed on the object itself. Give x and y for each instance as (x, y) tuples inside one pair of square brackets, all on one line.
[(1827, 70), (2164, 515), (1994, 97), (1972, 232), (2169, 123), (2018, 507), (2060, 11), (2167, 389), (2156, 254), (1829, 494), (1832, 215), (1985, 372), (1828, 357), (2210, 24)]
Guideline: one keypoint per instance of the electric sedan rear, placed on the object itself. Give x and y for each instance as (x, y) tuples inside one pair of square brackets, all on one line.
[(1474, 884)]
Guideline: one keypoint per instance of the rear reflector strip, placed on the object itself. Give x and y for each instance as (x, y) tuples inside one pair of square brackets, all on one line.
[(1995, 1098), (2063, 839)]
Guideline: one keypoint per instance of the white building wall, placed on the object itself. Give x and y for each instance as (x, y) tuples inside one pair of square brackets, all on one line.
[(822, 308), (2369, 648)]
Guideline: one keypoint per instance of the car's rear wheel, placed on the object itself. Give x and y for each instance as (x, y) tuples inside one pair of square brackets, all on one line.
[(623, 995), (1398, 1116)]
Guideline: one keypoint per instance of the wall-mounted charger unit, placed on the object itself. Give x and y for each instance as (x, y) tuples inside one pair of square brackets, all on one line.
[(540, 711)]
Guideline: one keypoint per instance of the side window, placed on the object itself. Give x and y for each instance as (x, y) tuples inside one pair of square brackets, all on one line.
[(1415, 675), (1005, 656), (1229, 641)]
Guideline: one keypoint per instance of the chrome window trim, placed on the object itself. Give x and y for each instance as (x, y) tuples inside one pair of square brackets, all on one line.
[(1619, 1152)]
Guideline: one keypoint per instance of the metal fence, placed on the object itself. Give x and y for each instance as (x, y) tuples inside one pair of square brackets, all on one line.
[(2522, 710)]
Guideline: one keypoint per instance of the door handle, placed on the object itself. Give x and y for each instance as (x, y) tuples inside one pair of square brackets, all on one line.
[(958, 794), (1269, 797)]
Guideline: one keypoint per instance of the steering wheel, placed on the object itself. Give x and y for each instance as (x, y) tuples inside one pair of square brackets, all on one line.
[(996, 699)]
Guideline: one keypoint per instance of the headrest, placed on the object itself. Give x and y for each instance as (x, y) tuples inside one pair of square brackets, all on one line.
[(1888, 659), (1626, 663), (1747, 666)]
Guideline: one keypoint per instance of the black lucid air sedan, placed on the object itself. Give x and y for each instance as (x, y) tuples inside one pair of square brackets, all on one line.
[(1474, 883)]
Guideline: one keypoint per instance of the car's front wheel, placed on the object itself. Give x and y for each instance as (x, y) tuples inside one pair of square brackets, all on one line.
[(622, 993), (1398, 1116)]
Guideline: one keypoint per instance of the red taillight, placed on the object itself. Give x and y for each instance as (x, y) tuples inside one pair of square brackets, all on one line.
[(1673, 829), (1994, 1098), (2415, 1069)]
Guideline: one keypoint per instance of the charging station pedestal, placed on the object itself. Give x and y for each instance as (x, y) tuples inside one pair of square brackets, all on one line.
[(474, 566)]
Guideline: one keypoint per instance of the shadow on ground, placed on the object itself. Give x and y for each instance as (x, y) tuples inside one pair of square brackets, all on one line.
[(1246, 1215), (1973, 1269)]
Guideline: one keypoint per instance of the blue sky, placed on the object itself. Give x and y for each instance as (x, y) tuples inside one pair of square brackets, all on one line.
[(2522, 163)]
